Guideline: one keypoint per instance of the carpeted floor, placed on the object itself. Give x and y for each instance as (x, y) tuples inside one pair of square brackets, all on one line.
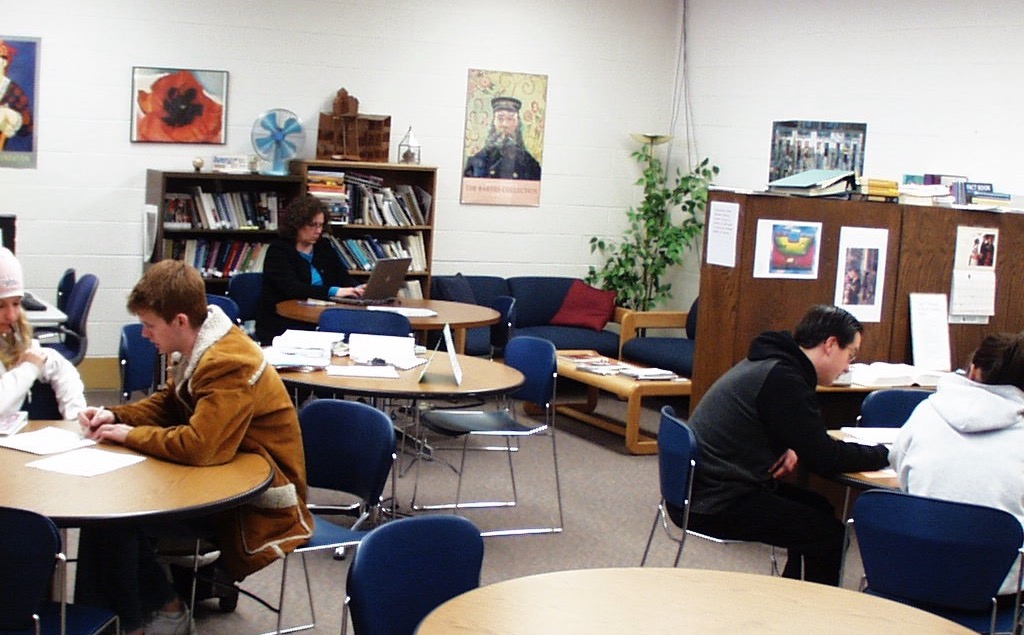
[(609, 499)]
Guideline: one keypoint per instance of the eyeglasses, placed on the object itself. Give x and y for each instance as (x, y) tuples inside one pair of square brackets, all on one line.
[(315, 225), (852, 352)]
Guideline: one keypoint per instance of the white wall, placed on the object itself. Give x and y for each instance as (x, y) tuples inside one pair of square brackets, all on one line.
[(937, 82), (609, 64)]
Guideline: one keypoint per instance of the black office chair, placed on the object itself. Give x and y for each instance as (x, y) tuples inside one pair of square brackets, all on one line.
[(73, 341)]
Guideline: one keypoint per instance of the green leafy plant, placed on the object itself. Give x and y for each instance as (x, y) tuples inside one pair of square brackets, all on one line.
[(635, 267)]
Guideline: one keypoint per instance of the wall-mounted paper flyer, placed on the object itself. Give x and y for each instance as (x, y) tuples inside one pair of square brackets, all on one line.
[(723, 226), (860, 276), (929, 331)]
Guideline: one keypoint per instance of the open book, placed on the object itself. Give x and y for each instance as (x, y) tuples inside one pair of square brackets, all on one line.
[(886, 374), (815, 183)]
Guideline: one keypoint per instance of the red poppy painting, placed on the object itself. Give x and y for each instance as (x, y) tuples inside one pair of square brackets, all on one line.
[(178, 105)]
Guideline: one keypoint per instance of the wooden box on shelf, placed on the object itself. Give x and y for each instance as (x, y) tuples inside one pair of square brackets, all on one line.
[(220, 223), (354, 137), (386, 210)]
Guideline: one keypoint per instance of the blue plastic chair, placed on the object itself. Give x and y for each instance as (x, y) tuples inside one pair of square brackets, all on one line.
[(73, 341), (677, 460), (229, 306), (891, 407), (138, 362), (348, 321), (30, 555), (945, 557), (405, 569), (245, 290), (504, 329), (64, 287), (535, 359), (678, 454), (350, 448)]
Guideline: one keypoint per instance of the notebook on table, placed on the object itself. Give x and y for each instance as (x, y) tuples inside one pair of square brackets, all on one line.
[(386, 279)]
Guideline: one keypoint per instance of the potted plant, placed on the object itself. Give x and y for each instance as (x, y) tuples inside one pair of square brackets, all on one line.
[(635, 267)]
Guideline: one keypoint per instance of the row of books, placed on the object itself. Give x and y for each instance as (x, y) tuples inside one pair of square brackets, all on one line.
[(218, 258), (362, 253), (354, 197), (221, 210)]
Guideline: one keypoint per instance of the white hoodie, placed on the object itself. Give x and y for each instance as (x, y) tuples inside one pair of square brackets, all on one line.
[(966, 443)]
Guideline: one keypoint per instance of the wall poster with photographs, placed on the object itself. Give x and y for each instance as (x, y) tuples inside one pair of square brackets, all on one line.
[(504, 143), (19, 81), (860, 276), (175, 105), (798, 146)]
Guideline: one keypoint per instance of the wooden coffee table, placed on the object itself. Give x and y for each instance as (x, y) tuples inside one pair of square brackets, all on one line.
[(631, 390)]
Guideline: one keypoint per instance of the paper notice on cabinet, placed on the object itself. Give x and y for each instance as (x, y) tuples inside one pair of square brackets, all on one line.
[(929, 331), (723, 226)]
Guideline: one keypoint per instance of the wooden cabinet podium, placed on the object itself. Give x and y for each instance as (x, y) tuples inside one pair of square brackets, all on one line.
[(735, 306)]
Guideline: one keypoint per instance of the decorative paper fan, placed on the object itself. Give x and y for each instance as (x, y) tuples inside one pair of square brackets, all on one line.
[(277, 136)]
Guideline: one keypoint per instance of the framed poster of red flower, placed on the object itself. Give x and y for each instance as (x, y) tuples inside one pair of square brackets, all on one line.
[(172, 105)]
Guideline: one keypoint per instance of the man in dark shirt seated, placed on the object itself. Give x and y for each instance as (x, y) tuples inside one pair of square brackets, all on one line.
[(753, 426)]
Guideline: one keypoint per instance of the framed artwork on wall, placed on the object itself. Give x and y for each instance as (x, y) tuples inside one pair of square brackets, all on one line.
[(173, 105), (504, 144), (19, 78)]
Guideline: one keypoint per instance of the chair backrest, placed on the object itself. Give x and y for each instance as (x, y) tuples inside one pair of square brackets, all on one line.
[(348, 321), (78, 307), (29, 546), (245, 290), (891, 407), (406, 568), (502, 330), (349, 447), (80, 302), (138, 360), (229, 306), (535, 358), (677, 459), (936, 552), (691, 319), (64, 287)]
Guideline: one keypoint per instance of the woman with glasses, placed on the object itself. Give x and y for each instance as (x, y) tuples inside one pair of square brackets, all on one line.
[(302, 264)]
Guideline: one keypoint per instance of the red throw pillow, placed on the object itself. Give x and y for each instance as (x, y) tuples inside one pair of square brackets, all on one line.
[(586, 307)]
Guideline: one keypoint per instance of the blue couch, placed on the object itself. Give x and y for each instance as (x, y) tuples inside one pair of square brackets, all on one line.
[(670, 353), (537, 300)]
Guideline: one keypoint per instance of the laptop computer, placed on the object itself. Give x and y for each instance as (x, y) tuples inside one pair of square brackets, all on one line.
[(386, 279)]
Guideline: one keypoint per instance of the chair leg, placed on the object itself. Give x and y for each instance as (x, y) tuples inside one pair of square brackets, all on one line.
[(650, 539)]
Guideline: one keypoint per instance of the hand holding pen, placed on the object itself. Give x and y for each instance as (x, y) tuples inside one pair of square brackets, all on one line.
[(92, 418)]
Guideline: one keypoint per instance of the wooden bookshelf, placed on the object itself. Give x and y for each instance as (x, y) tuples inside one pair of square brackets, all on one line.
[(246, 207), (359, 223)]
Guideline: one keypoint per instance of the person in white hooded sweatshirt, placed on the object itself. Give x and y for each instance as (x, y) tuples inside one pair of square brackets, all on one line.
[(966, 442), (22, 361)]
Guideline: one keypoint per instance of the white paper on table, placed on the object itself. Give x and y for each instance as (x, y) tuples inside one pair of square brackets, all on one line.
[(886, 472), (723, 226), (355, 370), (407, 311), (871, 436), (86, 462), (294, 358), (46, 441), (396, 350), (929, 331)]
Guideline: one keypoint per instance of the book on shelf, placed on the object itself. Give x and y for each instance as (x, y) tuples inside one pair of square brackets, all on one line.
[(883, 374), (815, 183)]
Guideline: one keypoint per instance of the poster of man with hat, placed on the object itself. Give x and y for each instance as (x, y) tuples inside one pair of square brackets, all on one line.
[(18, 80), (504, 144)]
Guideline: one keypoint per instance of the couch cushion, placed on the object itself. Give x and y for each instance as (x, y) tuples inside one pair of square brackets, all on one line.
[(453, 288), (586, 307), (572, 337), (538, 298), (671, 353)]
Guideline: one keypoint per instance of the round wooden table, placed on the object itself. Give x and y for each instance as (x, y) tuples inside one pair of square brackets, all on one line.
[(150, 489), (479, 377), (673, 601), (459, 315)]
